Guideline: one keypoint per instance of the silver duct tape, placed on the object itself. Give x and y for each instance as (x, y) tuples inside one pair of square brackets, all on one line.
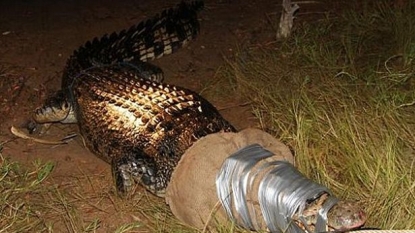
[(322, 213), (233, 181), (283, 191)]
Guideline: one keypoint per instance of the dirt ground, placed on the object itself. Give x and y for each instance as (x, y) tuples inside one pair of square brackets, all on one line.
[(36, 38)]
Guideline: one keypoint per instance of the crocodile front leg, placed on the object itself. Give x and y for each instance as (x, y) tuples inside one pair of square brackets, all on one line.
[(134, 168)]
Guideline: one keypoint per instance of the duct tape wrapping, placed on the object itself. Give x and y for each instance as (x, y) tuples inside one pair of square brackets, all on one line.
[(282, 193), (192, 193)]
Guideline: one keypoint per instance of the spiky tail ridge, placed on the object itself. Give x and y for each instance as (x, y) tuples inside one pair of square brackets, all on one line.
[(161, 35)]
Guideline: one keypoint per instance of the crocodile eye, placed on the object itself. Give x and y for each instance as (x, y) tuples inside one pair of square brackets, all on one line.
[(65, 105)]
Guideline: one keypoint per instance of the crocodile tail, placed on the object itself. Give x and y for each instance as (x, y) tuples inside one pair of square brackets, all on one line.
[(161, 35)]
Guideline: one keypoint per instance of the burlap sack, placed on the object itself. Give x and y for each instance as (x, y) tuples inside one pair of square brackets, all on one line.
[(191, 193)]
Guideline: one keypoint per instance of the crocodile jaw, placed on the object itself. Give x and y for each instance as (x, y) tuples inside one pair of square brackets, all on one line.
[(63, 113)]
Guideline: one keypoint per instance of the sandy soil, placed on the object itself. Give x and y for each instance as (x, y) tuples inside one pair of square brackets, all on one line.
[(36, 38)]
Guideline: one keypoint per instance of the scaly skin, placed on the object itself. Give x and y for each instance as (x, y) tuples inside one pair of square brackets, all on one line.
[(139, 126), (125, 115)]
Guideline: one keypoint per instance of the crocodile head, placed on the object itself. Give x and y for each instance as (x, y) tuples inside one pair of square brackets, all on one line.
[(57, 108)]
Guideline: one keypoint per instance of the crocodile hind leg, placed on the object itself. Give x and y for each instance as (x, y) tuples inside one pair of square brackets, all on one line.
[(131, 169)]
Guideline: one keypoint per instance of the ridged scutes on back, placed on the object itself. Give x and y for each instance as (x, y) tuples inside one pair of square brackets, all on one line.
[(161, 35)]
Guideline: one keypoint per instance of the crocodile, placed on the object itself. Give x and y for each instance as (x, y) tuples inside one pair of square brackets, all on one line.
[(126, 115), (132, 120)]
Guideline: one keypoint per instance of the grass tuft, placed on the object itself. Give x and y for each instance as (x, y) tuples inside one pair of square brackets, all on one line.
[(18, 212), (340, 93)]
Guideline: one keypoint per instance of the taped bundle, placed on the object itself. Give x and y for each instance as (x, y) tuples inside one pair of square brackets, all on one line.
[(192, 193), (282, 193)]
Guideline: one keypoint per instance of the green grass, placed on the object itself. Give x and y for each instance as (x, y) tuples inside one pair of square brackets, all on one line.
[(20, 190), (340, 93), (33, 201)]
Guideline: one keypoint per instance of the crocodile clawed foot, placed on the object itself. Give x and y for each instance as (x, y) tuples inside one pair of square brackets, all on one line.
[(124, 181), (130, 170), (126, 174)]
